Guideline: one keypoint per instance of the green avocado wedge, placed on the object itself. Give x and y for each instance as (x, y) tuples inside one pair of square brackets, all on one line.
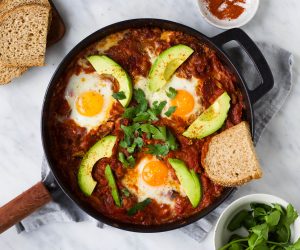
[(211, 119), (101, 149), (166, 64), (112, 184), (104, 65), (188, 180)]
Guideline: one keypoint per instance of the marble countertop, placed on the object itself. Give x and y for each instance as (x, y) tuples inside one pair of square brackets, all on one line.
[(21, 102)]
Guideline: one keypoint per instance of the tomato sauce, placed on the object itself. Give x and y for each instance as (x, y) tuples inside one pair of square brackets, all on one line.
[(70, 142)]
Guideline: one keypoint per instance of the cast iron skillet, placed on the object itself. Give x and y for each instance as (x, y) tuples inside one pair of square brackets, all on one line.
[(250, 97)]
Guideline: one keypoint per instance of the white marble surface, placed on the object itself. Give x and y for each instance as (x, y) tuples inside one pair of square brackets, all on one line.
[(21, 151)]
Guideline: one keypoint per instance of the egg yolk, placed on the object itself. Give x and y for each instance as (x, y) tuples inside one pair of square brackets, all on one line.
[(155, 173), (89, 103), (184, 103)]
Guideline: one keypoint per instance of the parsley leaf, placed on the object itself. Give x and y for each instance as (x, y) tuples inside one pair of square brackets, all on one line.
[(138, 206), (119, 95), (171, 93), (170, 111)]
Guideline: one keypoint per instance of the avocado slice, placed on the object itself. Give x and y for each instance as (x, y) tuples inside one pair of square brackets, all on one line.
[(101, 149), (211, 119), (112, 184), (188, 180), (166, 64), (104, 65)]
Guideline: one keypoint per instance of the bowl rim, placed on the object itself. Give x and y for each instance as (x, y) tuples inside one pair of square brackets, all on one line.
[(246, 200), (227, 27)]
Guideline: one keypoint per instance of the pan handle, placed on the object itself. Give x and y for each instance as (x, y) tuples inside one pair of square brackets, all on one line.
[(256, 56), (23, 205)]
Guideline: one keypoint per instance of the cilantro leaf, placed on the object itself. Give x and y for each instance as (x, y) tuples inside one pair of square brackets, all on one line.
[(129, 162), (139, 206), (142, 117), (123, 144), (158, 107), (171, 93), (158, 149), (129, 113), (171, 141), (170, 111), (119, 95), (291, 214), (126, 192), (138, 141)]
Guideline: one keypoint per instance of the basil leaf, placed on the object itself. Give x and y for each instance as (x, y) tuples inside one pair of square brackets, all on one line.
[(119, 95), (171, 93), (139, 206), (170, 111)]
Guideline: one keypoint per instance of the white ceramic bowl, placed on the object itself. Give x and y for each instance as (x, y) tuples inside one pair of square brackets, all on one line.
[(251, 7), (221, 234)]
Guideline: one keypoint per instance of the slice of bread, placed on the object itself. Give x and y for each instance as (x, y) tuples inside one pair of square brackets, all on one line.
[(7, 74), (7, 5), (23, 36), (229, 159)]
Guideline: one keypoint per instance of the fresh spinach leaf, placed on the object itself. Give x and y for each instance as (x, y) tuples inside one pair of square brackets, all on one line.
[(237, 220)]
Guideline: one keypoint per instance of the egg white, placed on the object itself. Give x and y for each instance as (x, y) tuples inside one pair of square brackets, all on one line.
[(81, 83), (177, 83), (162, 194)]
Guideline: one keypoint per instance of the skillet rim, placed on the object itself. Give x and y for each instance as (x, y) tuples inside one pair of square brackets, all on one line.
[(96, 36)]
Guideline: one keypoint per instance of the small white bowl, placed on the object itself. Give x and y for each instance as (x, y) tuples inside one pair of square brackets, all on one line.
[(222, 234), (251, 7)]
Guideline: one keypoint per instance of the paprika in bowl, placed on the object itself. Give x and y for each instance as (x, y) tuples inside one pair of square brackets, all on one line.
[(227, 14)]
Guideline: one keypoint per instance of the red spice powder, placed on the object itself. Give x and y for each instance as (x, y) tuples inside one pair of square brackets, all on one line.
[(225, 9)]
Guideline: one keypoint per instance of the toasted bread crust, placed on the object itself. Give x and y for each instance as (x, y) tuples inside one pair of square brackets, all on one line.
[(229, 158)]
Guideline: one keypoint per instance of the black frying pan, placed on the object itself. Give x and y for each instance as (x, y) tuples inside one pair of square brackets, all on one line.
[(38, 195)]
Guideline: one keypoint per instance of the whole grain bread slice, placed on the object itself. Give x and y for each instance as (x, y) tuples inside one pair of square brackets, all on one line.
[(7, 5), (229, 159), (7, 74), (23, 36)]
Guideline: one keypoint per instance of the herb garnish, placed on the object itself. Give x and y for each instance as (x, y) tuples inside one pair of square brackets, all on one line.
[(171, 93), (119, 95), (138, 206), (170, 111), (142, 115), (268, 228)]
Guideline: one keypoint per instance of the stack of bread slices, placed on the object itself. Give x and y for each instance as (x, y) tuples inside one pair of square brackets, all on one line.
[(24, 26)]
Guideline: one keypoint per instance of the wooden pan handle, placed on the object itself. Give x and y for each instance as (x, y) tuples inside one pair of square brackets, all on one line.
[(23, 205)]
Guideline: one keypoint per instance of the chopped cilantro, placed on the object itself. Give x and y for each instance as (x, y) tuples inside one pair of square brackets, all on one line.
[(158, 149), (126, 192), (119, 95), (170, 111), (138, 206), (171, 93)]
